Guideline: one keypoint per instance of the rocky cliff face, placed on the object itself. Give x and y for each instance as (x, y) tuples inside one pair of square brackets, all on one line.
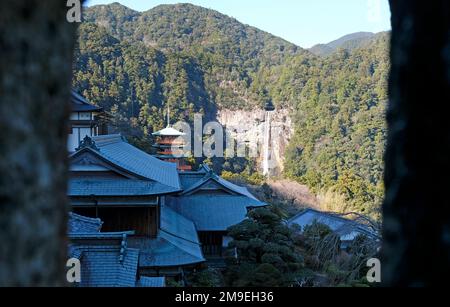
[(249, 126)]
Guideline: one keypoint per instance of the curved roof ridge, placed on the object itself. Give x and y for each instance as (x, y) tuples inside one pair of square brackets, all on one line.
[(96, 221), (80, 224), (80, 104), (210, 175), (103, 140)]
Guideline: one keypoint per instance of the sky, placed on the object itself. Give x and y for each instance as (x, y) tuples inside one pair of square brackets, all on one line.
[(302, 22)]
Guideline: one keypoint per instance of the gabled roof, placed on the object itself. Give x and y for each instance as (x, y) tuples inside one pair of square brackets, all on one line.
[(115, 150), (80, 104), (188, 179), (168, 131), (210, 176), (213, 212), (222, 205), (347, 229)]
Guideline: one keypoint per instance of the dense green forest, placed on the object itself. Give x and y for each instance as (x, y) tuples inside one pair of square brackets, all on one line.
[(199, 60), (348, 42), (340, 122)]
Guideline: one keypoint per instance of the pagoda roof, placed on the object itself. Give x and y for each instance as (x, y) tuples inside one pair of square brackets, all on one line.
[(168, 146), (168, 131), (80, 104)]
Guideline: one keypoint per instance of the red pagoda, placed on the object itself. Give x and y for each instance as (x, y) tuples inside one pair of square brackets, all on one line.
[(169, 144)]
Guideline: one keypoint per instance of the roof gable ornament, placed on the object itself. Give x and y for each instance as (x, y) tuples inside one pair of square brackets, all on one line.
[(212, 175), (86, 161), (209, 173), (88, 142)]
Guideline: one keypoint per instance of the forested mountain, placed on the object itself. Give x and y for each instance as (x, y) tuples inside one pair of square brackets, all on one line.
[(199, 60), (185, 27), (340, 122), (348, 42)]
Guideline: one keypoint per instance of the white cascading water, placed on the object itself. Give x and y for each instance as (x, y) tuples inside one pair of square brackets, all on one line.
[(266, 166)]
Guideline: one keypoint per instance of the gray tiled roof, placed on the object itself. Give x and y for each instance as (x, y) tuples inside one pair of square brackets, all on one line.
[(115, 149), (166, 251), (100, 235), (116, 187), (106, 261), (80, 104), (188, 179), (75, 252), (101, 266), (347, 229), (151, 282), (213, 212), (238, 189), (82, 224), (176, 245), (177, 225)]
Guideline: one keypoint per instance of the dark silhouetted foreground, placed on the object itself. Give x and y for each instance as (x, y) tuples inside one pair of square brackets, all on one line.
[(417, 206), (36, 46)]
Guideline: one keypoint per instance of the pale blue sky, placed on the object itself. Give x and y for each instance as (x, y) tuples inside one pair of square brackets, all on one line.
[(303, 22)]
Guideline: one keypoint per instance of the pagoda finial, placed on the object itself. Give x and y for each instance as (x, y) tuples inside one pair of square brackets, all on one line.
[(168, 115)]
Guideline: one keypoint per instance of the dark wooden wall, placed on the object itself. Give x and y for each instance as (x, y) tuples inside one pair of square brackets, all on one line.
[(142, 220), (212, 243)]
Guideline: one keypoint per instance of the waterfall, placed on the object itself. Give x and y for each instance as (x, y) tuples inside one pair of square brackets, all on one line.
[(267, 143)]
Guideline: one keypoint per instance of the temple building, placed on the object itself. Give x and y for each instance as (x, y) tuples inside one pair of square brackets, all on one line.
[(146, 214), (106, 260), (169, 144), (214, 205), (84, 121)]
